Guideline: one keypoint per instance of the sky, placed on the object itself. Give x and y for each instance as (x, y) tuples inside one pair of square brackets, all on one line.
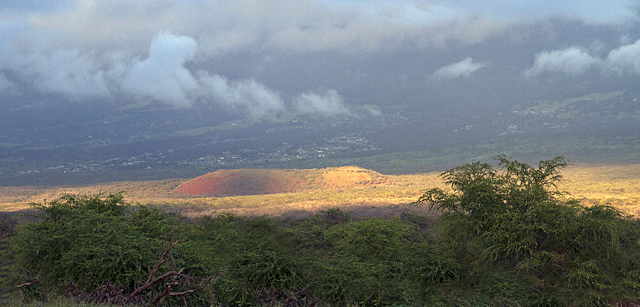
[(258, 57)]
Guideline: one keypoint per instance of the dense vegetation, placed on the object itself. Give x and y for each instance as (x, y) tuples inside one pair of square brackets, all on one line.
[(505, 237)]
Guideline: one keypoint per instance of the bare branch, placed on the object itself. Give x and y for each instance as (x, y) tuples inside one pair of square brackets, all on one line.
[(159, 297), (161, 261), (151, 283), (186, 292), (26, 284)]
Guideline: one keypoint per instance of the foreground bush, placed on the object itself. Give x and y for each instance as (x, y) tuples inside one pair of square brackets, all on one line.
[(95, 249), (88, 240), (512, 225)]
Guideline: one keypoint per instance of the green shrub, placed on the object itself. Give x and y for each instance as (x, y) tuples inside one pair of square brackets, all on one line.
[(513, 221), (84, 242), (374, 239)]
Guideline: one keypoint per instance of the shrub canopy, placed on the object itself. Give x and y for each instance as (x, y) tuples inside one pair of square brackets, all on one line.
[(515, 217)]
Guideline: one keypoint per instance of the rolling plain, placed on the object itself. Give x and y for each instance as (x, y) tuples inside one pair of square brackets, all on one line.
[(302, 192)]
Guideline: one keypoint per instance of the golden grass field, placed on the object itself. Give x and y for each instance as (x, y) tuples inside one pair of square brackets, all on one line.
[(617, 184)]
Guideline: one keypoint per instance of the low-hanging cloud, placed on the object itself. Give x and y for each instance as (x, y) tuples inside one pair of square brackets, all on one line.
[(331, 103), (463, 68), (68, 72), (624, 60), (572, 61), (245, 95), (50, 70), (575, 61), (162, 75)]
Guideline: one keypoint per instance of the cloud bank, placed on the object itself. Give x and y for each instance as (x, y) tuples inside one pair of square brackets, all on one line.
[(50, 70), (161, 76), (228, 26), (575, 61), (260, 57), (278, 25), (245, 95)]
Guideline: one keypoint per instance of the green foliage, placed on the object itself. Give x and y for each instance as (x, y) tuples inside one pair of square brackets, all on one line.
[(512, 220), (375, 263), (7, 230), (373, 239), (481, 191), (88, 240)]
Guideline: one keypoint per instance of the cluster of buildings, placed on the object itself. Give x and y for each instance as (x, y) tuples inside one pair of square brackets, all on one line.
[(284, 152)]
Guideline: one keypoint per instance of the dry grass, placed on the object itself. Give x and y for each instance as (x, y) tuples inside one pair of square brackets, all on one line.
[(17, 198), (616, 184)]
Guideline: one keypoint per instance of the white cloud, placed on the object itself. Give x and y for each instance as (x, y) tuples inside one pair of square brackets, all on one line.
[(162, 75), (331, 103), (571, 61), (574, 61), (70, 72), (67, 72), (625, 59), (246, 95), (463, 68)]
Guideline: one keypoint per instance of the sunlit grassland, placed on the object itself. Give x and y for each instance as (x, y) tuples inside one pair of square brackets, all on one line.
[(395, 194), (145, 192), (395, 191), (617, 184)]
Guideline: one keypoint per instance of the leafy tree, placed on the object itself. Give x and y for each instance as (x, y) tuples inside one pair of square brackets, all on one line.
[(514, 217)]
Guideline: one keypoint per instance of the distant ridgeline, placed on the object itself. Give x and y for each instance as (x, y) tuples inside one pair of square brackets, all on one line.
[(271, 181)]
